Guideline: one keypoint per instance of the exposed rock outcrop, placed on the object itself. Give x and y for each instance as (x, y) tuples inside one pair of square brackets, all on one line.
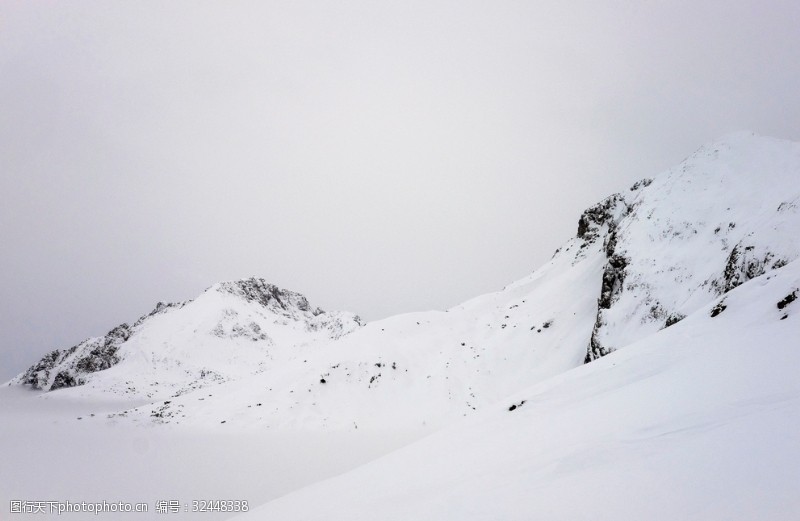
[(268, 295), (745, 262), (68, 367)]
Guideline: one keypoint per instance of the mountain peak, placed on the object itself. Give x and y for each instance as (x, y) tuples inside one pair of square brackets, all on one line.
[(190, 335), (270, 296)]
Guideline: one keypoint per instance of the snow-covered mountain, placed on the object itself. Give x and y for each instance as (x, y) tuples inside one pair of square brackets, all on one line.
[(647, 371), (231, 330), (727, 214), (642, 260)]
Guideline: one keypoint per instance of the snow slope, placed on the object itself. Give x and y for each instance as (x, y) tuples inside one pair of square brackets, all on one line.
[(697, 421), (417, 370)]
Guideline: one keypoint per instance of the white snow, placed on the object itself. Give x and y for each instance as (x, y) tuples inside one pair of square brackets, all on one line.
[(232, 397), (699, 421)]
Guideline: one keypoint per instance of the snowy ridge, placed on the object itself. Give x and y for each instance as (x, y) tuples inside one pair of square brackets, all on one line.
[(231, 330)]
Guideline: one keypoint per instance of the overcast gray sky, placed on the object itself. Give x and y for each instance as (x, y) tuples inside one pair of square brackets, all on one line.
[(380, 157)]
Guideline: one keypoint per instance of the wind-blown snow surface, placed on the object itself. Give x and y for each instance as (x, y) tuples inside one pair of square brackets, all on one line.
[(699, 421), (246, 358)]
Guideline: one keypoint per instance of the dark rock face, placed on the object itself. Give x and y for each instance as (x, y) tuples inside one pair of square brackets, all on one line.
[(606, 213), (64, 379), (788, 299), (674, 318), (642, 183), (73, 364), (596, 349), (613, 279), (515, 406), (268, 295), (39, 373), (745, 263), (610, 290), (289, 305), (719, 308), (161, 307), (590, 227)]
